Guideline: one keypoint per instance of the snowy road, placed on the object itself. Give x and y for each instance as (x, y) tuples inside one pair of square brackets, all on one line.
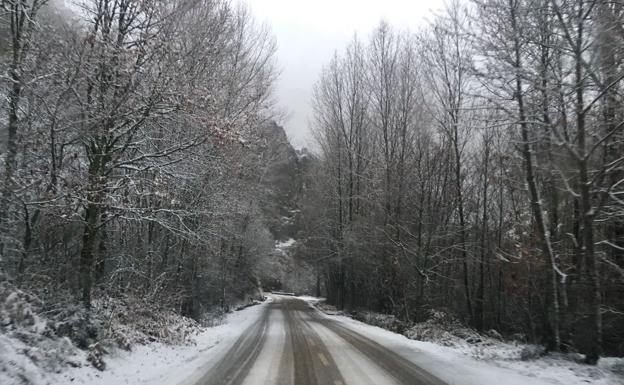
[(293, 344)]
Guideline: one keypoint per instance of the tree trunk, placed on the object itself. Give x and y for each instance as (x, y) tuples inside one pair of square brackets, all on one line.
[(92, 220), (594, 336), (462, 220), (87, 252), (481, 290), (534, 196)]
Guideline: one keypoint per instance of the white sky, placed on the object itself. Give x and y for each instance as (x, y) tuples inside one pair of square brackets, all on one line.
[(308, 32)]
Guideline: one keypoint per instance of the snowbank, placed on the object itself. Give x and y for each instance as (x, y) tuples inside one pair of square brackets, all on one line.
[(158, 363), (131, 342)]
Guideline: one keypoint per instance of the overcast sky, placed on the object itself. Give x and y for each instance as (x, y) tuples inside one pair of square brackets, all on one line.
[(308, 32)]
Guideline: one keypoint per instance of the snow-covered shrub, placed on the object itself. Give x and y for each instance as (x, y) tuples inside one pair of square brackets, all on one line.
[(16, 310), (518, 337), (32, 343), (121, 340), (95, 356), (494, 334), (384, 321), (443, 329), (129, 320), (326, 308), (531, 352), (212, 318), (75, 323), (29, 344)]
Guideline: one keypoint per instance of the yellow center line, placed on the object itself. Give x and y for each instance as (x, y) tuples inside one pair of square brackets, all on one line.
[(323, 359)]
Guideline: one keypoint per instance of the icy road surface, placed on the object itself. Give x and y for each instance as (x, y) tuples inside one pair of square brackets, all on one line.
[(293, 344)]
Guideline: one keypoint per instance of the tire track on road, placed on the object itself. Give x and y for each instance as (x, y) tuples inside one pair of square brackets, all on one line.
[(399, 367), (313, 364), (234, 367)]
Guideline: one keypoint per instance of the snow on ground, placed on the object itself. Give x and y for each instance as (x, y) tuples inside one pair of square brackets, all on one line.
[(311, 300), (266, 369), (28, 348), (17, 359), (285, 244), (458, 366), (157, 363)]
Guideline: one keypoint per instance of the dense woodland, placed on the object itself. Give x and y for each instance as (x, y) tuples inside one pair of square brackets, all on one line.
[(476, 166), (137, 150)]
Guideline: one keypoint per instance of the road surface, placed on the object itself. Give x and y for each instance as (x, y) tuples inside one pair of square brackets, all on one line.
[(293, 344)]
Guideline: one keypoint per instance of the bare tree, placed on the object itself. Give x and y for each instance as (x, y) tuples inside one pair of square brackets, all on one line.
[(448, 59)]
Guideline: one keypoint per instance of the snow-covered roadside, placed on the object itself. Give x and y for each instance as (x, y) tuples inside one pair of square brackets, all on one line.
[(456, 367), (157, 363), (311, 300)]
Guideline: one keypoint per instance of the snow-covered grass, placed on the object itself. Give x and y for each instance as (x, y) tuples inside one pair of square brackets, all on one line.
[(477, 359)]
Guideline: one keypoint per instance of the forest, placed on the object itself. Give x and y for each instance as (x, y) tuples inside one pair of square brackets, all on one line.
[(136, 148), (473, 166)]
